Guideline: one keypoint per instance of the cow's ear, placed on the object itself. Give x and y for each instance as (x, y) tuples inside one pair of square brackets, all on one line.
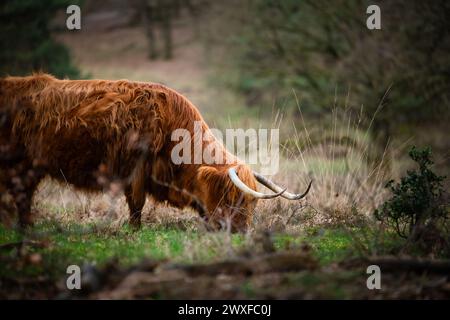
[(207, 173), (214, 177), (214, 181)]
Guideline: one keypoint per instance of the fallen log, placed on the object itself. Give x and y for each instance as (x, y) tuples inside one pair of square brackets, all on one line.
[(274, 262), (401, 264)]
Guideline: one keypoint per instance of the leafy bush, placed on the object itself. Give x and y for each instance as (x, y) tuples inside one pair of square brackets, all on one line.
[(417, 202)]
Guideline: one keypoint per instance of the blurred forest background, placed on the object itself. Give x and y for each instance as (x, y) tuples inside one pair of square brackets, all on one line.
[(249, 59)]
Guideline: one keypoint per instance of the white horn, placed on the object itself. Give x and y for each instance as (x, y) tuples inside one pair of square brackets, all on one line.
[(275, 188), (246, 189)]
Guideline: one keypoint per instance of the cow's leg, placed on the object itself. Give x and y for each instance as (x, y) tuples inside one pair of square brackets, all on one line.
[(135, 201), (22, 188), (23, 204), (135, 193)]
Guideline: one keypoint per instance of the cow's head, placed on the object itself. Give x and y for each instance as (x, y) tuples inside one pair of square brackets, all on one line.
[(229, 193)]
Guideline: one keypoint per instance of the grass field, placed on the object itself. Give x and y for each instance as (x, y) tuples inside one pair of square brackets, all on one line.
[(62, 244), (333, 226), (41, 256)]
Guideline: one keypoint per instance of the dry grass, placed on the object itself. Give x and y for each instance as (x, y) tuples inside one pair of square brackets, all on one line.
[(54, 200), (347, 184)]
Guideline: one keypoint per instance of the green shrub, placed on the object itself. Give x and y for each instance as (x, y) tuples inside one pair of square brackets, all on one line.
[(417, 204)]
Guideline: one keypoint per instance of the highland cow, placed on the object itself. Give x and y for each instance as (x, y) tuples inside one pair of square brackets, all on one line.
[(89, 133)]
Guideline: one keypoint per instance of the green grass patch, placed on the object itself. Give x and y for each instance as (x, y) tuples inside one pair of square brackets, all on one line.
[(328, 245), (61, 245)]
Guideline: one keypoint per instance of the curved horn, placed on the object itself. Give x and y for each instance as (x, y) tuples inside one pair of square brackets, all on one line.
[(275, 188), (246, 189)]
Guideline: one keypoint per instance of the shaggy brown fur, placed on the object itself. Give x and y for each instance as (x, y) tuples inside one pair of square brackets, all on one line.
[(86, 132)]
